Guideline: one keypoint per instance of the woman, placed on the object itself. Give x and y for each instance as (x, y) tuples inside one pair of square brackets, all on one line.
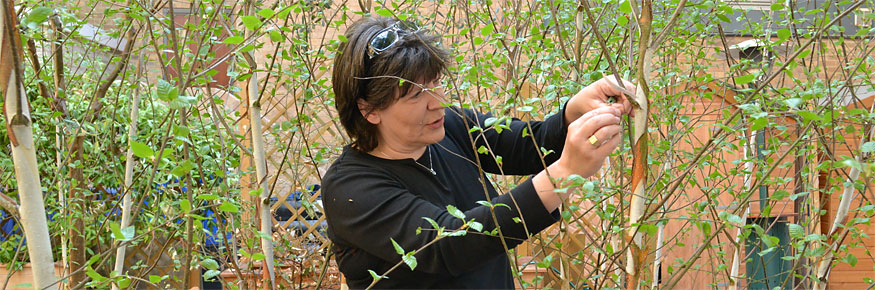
[(411, 157)]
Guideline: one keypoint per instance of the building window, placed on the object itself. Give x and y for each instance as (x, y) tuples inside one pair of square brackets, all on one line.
[(863, 18), (758, 5), (765, 267)]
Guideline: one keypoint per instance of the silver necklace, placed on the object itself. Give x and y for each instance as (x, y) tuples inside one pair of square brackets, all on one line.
[(430, 167)]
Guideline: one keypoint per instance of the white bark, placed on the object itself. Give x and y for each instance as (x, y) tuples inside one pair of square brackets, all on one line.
[(822, 270), (261, 175), (129, 175), (33, 212), (748, 181), (841, 215), (637, 207)]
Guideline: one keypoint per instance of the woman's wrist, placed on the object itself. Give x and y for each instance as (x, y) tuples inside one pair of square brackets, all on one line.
[(545, 183)]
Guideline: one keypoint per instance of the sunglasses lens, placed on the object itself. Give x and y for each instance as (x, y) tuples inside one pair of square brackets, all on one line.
[(383, 40)]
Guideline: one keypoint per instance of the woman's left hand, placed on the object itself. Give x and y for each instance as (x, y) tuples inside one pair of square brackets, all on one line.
[(602, 93)]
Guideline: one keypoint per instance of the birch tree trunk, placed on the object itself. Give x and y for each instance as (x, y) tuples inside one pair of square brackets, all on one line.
[(822, 270), (19, 127), (129, 172), (748, 181), (840, 218), (637, 252), (261, 177), (263, 205)]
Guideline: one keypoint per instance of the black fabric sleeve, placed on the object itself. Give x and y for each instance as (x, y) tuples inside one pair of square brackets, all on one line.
[(518, 151), (366, 207)]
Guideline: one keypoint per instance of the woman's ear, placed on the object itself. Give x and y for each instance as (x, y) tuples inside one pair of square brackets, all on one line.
[(368, 112)]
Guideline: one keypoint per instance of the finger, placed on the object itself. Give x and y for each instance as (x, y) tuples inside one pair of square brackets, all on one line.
[(605, 134), (610, 145), (576, 124), (622, 94), (597, 122)]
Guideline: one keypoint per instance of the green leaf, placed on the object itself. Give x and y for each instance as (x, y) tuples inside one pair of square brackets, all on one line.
[(457, 233), (209, 274), (851, 259), (207, 197), (375, 276), (384, 12), (784, 33), (779, 195), (476, 226), (455, 212), (410, 260), (234, 40), (648, 229), (759, 123), (184, 206), (398, 248), (38, 15), (258, 257), (163, 90), (276, 36), (737, 220), (766, 251), (183, 169), (210, 264), (182, 101), (796, 231), (625, 7), (94, 275), (868, 147), (266, 12), (490, 121), (342, 38), (228, 207), (116, 231), (744, 79), (283, 13), (487, 30), (155, 279), (251, 22), (809, 116), (434, 224), (622, 20), (124, 283), (804, 53), (181, 131), (128, 233), (793, 102)]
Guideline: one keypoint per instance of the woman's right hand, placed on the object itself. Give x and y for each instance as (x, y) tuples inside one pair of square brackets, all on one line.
[(581, 156)]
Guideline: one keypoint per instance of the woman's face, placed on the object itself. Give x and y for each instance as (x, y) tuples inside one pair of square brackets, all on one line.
[(415, 120)]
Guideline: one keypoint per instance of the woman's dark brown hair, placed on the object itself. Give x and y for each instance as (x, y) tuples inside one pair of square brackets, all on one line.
[(415, 57)]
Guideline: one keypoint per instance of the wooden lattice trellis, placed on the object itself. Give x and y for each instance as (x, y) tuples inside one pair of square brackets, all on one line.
[(299, 172), (156, 251)]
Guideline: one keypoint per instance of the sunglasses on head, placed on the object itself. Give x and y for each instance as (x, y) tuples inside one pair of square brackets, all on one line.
[(387, 37)]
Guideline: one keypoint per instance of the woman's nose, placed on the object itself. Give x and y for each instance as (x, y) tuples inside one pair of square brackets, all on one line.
[(437, 99)]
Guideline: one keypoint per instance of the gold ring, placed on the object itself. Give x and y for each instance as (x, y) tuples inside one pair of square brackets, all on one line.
[(593, 139)]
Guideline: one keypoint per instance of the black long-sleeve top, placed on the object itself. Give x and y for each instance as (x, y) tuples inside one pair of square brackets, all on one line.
[(369, 200)]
